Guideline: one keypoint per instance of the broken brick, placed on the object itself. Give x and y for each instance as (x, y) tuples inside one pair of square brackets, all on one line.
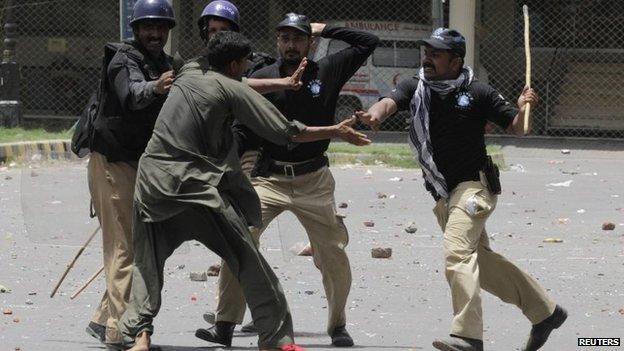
[(198, 276), (380, 252), (213, 271)]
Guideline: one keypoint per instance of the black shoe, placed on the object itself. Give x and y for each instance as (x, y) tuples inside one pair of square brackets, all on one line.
[(541, 331), (220, 333), (341, 338), (458, 343), (249, 328), (97, 331), (209, 317)]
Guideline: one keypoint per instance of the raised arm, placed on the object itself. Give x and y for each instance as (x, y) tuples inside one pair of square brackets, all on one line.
[(264, 119)]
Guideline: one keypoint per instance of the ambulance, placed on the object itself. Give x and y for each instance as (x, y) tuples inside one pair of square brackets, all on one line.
[(397, 57)]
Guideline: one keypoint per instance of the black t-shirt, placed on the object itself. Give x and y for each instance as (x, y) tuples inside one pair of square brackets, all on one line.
[(457, 124), (315, 103)]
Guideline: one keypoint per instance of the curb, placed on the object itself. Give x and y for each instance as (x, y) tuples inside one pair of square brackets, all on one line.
[(52, 149)]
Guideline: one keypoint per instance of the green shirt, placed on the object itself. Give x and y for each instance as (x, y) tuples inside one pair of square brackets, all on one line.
[(191, 157)]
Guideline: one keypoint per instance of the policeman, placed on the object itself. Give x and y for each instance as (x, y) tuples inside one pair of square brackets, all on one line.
[(138, 77), (190, 186), (222, 15), (449, 111), (303, 168)]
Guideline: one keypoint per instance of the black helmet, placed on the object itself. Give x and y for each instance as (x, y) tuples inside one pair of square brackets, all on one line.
[(153, 9)]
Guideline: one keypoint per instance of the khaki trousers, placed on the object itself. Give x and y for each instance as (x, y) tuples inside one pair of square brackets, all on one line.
[(310, 197), (472, 265), (227, 235), (112, 188)]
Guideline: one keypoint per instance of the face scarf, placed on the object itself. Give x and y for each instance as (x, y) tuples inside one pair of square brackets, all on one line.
[(419, 139)]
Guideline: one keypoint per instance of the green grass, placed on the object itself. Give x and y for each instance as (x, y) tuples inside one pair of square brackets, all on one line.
[(394, 155), (384, 149), (396, 150), (11, 135)]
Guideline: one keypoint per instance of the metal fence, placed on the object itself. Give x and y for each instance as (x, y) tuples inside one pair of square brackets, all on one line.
[(399, 24), (578, 55), (577, 61), (59, 52)]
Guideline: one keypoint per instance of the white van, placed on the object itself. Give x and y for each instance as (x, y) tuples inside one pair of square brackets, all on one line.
[(397, 57)]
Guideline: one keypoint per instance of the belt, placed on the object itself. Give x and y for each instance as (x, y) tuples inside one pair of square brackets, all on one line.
[(297, 169)]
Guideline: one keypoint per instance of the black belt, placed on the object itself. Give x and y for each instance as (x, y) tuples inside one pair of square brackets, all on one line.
[(293, 170)]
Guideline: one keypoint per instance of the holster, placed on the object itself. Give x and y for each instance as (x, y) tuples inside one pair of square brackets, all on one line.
[(262, 166), (492, 175)]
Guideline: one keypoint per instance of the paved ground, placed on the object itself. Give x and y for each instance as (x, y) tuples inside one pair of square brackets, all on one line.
[(397, 304)]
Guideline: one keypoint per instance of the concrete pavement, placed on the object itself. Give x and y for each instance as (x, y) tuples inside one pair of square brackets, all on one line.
[(402, 303)]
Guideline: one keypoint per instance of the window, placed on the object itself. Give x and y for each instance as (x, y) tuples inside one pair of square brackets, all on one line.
[(397, 54)]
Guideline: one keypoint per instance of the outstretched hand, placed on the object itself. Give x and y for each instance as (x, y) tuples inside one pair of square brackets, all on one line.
[(294, 81), (368, 119), (350, 135)]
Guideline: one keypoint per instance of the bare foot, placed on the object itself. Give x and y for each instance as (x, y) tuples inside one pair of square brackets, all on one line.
[(141, 343), (306, 251)]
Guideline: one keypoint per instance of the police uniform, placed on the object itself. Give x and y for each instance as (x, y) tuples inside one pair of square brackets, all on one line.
[(119, 139), (190, 186), (299, 180), (456, 130)]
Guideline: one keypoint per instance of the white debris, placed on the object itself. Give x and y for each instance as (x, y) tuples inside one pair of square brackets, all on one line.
[(517, 168), (562, 184)]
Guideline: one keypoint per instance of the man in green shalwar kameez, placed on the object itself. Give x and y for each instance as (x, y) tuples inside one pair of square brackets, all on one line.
[(190, 186)]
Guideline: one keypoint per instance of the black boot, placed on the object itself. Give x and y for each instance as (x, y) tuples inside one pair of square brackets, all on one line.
[(541, 331), (220, 333), (341, 338)]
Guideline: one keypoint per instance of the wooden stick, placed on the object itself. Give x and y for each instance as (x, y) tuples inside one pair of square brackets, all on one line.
[(71, 264), (527, 54), (87, 283)]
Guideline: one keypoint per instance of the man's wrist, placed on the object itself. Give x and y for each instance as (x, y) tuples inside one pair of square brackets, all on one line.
[(285, 83), (318, 29), (152, 88), (334, 131)]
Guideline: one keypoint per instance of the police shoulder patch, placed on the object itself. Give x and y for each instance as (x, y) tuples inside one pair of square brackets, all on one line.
[(464, 100)]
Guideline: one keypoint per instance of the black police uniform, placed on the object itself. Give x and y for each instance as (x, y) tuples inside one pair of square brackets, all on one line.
[(127, 127), (456, 130), (457, 124)]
